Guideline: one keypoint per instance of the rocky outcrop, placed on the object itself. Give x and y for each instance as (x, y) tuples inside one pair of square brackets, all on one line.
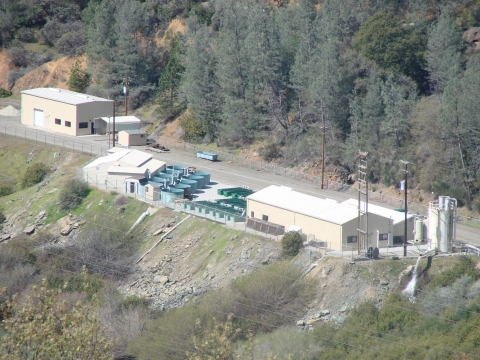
[(472, 37)]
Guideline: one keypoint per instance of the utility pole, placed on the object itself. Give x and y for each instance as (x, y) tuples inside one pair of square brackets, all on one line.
[(125, 90), (406, 206), (113, 129), (323, 149), (362, 221)]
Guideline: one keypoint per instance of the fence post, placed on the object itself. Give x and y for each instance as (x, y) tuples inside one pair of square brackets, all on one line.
[(90, 149)]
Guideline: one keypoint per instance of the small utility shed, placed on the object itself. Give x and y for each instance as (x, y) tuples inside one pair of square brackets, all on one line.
[(104, 124), (132, 137), (321, 220), (63, 111)]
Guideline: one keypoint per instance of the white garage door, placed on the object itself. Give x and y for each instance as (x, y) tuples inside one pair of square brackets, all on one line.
[(37, 117)]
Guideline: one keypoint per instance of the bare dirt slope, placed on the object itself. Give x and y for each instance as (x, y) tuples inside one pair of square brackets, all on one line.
[(52, 74), (176, 25), (5, 68)]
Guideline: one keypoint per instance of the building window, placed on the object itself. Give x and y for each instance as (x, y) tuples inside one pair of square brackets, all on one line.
[(383, 237), (83, 125), (265, 217), (58, 122), (68, 124), (252, 214), (142, 135), (351, 239), (146, 189)]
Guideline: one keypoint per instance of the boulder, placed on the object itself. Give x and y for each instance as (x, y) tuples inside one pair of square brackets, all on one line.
[(472, 36), (65, 230), (300, 323), (323, 313), (4, 237), (158, 232), (30, 229)]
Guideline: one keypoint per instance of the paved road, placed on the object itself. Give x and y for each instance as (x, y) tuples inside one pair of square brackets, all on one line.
[(222, 171)]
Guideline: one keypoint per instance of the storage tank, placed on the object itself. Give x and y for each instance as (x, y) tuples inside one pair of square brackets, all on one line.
[(182, 186), (419, 235), (441, 223), (171, 195), (192, 183), (205, 175), (199, 179)]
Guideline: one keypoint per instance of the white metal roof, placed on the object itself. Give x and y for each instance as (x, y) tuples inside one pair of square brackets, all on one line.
[(123, 119), (136, 158), (118, 169), (153, 165), (114, 155), (135, 131), (396, 216), (64, 96), (288, 199)]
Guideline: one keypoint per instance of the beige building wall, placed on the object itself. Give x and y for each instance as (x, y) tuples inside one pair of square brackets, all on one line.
[(275, 215), (322, 230), (152, 193), (89, 111), (124, 138), (51, 110), (75, 114)]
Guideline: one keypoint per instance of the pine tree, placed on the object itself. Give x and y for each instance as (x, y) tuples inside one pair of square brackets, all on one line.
[(79, 79), (443, 52), (170, 79)]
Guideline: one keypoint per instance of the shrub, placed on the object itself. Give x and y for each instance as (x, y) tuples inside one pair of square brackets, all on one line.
[(121, 200), (291, 243), (5, 93), (34, 174), (271, 151), (72, 194), (2, 217)]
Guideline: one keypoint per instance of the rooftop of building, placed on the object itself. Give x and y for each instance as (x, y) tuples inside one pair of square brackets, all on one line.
[(64, 96)]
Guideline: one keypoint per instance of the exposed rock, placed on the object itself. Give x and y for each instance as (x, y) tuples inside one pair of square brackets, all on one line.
[(383, 282), (158, 232), (30, 229), (323, 313), (472, 36), (311, 321), (343, 309), (65, 230), (4, 237), (300, 323), (52, 191)]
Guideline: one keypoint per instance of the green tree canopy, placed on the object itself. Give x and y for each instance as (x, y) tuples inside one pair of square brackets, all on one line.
[(393, 47)]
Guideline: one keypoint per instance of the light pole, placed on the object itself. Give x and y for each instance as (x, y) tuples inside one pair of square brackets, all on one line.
[(406, 205)]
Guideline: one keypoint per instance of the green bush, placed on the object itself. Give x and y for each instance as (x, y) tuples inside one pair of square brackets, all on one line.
[(5, 93), (72, 194), (34, 174), (6, 189), (291, 243), (2, 217)]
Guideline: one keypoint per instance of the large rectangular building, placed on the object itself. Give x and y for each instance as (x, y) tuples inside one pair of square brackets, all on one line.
[(63, 111), (324, 220)]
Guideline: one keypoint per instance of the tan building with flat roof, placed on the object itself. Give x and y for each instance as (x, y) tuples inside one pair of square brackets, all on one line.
[(63, 111), (132, 138), (324, 220)]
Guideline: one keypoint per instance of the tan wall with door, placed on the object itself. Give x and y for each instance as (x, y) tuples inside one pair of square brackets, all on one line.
[(126, 139), (275, 215), (75, 114), (51, 110)]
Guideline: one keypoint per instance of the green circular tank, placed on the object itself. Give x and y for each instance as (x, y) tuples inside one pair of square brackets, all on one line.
[(199, 179), (171, 195), (193, 184), (205, 175)]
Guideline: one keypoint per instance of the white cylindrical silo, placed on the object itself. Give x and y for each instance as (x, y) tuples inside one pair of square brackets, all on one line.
[(433, 225), (419, 236), (444, 221)]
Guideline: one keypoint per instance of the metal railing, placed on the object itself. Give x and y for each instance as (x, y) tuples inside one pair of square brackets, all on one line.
[(52, 140)]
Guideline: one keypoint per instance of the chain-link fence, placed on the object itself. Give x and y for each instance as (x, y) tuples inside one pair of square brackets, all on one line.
[(54, 141)]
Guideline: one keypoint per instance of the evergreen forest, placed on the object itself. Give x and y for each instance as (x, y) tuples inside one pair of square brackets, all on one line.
[(399, 79)]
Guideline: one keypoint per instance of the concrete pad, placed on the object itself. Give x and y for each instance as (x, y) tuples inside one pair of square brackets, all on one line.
[(209, 192)]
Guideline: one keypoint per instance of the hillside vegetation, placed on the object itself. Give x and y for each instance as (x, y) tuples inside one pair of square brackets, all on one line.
[(397, 79)]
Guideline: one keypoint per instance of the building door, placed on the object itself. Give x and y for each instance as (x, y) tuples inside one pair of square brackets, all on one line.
[(132, 188), (93, 130), (37, 117)]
